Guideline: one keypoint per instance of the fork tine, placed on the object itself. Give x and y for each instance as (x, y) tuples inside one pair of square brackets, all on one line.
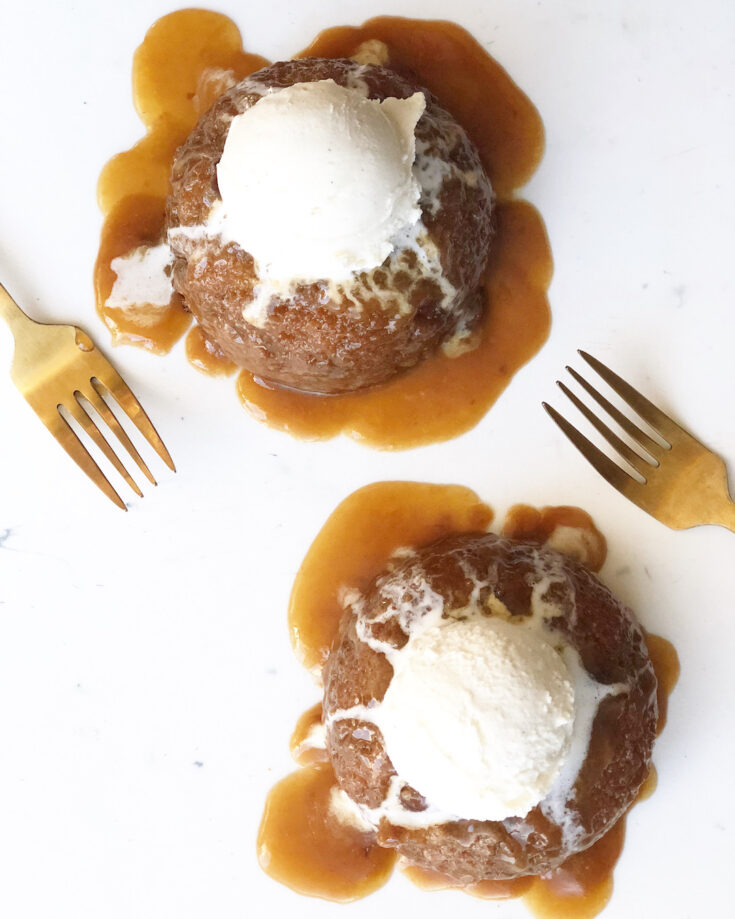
[(629, 455), (78, 412), (650, 413), (609, 470), (103, 410), (64, 434), (632, 430), (121, 392)]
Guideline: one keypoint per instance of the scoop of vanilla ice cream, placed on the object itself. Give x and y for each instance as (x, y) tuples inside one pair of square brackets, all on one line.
[(478, 717), (316, 180)]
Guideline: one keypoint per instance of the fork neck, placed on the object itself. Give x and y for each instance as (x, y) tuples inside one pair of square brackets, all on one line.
[(12, 313)]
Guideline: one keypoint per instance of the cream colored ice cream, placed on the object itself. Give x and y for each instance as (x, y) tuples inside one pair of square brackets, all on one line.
[(316, 180), (143, 278), (479, 716)]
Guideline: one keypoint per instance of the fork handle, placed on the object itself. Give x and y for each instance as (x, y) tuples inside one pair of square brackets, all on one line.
[(12, 313), (726, 518)]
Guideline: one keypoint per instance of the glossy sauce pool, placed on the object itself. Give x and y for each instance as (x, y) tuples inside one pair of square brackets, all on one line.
[(442, 397), (296, 841)]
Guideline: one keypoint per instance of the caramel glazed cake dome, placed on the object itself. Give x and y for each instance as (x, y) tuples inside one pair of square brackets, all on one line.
[(328, 334), (409, 704)]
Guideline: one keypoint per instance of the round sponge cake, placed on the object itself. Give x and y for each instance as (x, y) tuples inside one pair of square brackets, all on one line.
[(326, 336), (487, 575)]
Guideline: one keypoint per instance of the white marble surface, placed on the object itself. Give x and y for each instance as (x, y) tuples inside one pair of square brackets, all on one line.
[(147, 687)]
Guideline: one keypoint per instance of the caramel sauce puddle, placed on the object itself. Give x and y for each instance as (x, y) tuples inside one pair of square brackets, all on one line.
[(443, 396), (354, 545)]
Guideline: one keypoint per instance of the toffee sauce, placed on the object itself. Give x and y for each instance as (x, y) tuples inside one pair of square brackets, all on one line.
[(441, 398), (296, 844)]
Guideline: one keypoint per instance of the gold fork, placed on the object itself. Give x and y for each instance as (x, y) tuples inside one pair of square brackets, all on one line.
[(683, 483), (58, 367)]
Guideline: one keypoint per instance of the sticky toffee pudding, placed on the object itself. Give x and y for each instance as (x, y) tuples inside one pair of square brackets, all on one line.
[(354, 614), (324, 336), (411, 350)]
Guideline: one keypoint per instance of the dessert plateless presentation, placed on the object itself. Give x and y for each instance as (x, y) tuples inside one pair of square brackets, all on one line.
[(489, 708)]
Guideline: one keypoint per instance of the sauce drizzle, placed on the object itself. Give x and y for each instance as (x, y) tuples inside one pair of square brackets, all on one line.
[(178, 71), (356, 543)]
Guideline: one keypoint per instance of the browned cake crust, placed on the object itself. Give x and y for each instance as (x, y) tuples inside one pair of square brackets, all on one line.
[(612, 649), (321, 338)]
